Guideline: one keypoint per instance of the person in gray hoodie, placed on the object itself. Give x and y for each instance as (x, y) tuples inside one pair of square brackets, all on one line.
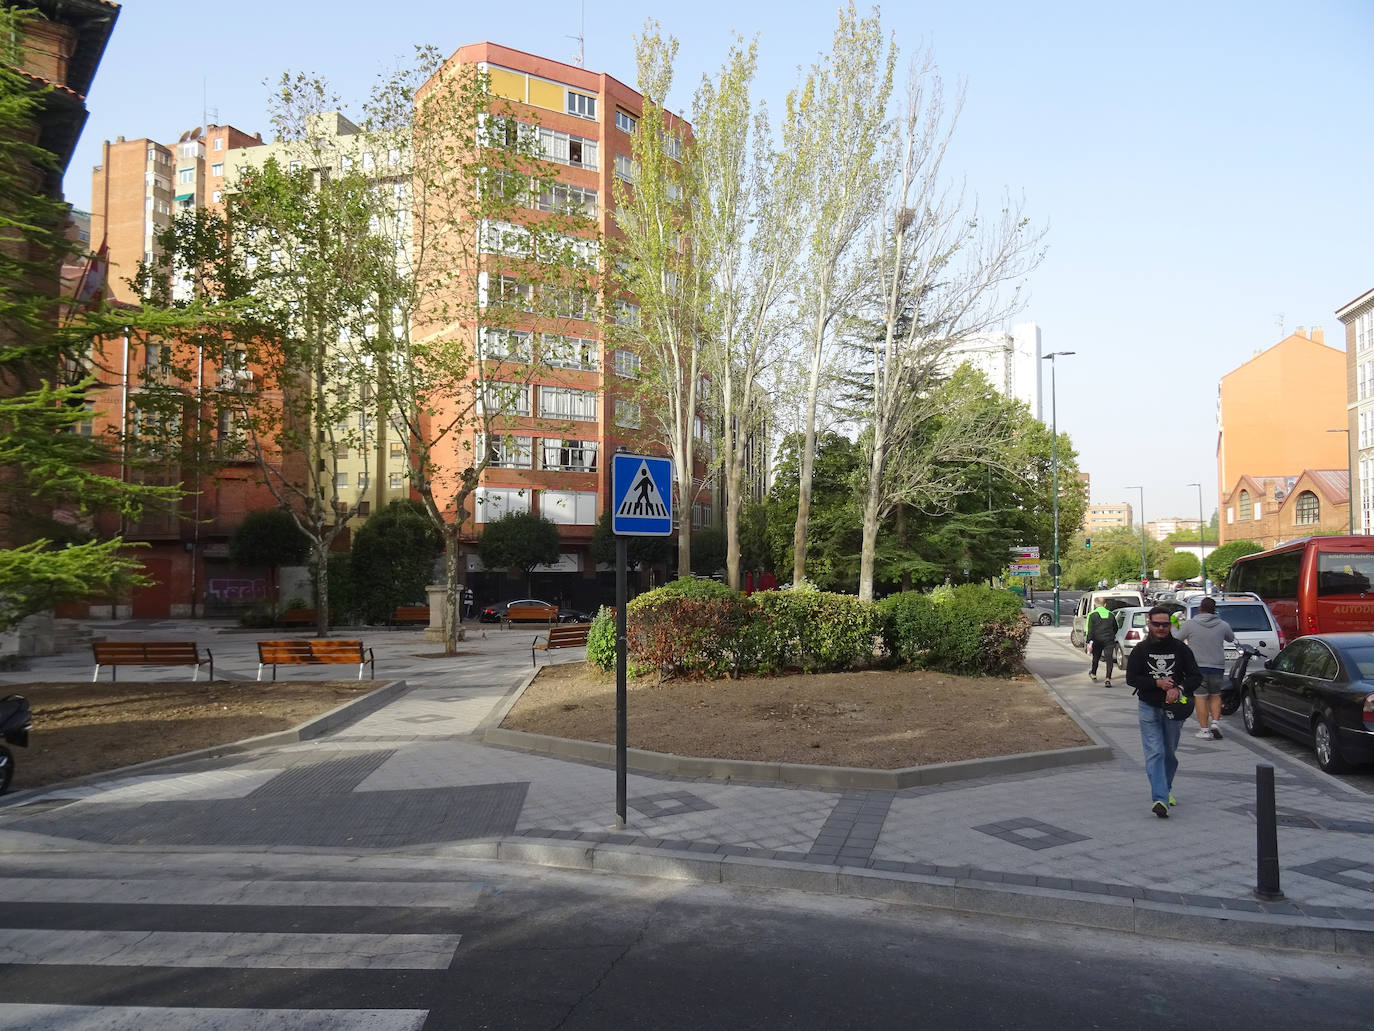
[(1206, 634)]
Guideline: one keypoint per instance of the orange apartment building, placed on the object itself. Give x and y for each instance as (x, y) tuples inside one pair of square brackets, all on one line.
[(1275, 448), (1357, 318)]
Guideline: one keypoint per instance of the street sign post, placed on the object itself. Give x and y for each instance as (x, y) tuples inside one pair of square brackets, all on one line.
[(1020, 554), (641, 506), (1025, 569)]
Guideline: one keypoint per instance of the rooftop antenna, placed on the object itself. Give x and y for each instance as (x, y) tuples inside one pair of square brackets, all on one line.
[(581, 57), (1278, 321)]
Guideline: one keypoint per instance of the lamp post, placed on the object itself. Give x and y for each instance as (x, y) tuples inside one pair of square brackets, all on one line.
[(1350, 480), (1143, 559), (1054, 465), (1201, 535)]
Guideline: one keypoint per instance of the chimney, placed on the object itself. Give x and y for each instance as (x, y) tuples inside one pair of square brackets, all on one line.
[(1300, 331), (119, 139), (1319, 334)]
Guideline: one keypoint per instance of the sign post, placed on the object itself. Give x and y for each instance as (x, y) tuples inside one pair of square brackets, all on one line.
[(641, 506)]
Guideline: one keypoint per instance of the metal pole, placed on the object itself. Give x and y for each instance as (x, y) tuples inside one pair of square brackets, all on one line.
[(1201, 535), (1350, 480), (620, 694), (1266, 835), (1054, 466), (1143, 559)]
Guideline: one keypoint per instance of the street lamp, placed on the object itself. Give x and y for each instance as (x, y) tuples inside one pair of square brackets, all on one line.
[(1350, 480), (1201, 535), (1143, 559), (1054, 464)]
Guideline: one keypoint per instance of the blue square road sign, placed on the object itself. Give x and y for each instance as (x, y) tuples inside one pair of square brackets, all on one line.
[(641, 496)]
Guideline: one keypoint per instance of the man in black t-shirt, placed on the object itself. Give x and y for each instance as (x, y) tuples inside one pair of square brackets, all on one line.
[(1161, 670)]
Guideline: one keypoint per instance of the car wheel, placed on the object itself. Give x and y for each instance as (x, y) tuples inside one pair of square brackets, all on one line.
[(1328, 749), (1045, 619), (1118, 657), (1076, 639), (1250, 715), (6, 769)]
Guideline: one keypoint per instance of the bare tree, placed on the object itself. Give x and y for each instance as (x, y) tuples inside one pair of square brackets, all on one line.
[(940, 276)]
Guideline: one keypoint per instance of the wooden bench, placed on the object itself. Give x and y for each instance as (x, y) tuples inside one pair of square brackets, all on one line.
[(411, 614), (562, 635), (310, 653), (297, 617), (530, 614), (150, 653)]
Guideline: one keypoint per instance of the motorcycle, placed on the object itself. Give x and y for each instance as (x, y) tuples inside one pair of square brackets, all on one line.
[(16, 720), (1235, 677)]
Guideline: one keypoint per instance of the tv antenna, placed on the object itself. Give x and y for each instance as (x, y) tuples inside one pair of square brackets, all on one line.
[(581, 56)]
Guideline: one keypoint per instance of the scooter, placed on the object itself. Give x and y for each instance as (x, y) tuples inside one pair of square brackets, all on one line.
[(16, 720), (1230, 691)]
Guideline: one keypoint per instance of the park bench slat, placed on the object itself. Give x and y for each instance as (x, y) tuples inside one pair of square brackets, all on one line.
[(411, 614), (566, 635), (530, 613), (150, 653), (307, 653)]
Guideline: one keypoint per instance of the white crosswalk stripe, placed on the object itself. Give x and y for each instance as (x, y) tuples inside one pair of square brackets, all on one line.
[(156, 1018)]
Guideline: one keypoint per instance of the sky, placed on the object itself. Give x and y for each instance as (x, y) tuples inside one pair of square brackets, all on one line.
[(1204, 169)]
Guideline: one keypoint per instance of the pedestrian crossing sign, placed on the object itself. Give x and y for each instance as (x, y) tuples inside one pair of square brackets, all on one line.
[(641, 495)]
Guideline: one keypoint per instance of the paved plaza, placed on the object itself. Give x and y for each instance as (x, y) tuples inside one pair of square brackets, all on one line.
[(414, 778)]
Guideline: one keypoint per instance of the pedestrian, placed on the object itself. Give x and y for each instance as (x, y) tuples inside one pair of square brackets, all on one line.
[(1102, 640), (1161, 671), (1206, 635), (468, 600)]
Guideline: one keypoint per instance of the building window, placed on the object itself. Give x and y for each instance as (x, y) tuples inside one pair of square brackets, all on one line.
[(394, 481), (217, 168), (341, 479), (294, 166), (564, 352), (508, 452), (346, 163), (393, 157), (627, 413), (567, 403), (506, 345), (570, 455), (495, 502), (581, 105), (186, 175), (218, 196), (369, 162), (625, 167), (1246, 508), (1308, 509), (364, 480), (397, 449), (568, 199), (219, 143), (626, 122), (701, 514), (672, 146), (626, 314), (505, 398), (568, 507), (567, 149), (627, 364)]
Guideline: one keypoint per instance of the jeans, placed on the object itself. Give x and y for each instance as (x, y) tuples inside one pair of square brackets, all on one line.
[(1159, 735)]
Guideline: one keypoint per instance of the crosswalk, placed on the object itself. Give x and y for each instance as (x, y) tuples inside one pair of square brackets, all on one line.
[(177, 953)]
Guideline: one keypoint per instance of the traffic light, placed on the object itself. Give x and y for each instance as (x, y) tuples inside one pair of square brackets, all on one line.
[(1087, 542)]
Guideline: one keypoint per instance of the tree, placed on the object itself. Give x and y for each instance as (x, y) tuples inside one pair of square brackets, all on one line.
[(269, 537), (840, 115), (53, 479), (639, 551), (393, 559), (653, 261), (835, 526), (521, 541), (1219, 561), (938, 276), (1182, 565), (708, 551)]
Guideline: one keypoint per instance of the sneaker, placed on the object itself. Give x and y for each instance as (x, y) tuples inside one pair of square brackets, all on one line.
[(1107, 683), (1172, 800), (1215, 732), (1205, 733), (1160, 809), (1092, 677)]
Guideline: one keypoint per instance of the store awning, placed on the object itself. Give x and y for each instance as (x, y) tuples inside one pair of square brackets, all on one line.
[(184, 196)]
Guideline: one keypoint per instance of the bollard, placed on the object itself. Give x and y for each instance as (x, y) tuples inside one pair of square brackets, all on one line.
[(1266, 835)]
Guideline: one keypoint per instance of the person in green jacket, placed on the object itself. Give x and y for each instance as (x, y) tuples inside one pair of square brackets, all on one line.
[(1102, 639)]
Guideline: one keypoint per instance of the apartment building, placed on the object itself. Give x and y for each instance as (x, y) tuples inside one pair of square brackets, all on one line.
[(1106, 517), (1010, 361), (1158, 529), (1276, 415), (1357, 317)]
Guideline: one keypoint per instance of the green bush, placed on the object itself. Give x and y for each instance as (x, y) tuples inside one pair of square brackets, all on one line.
[(601, 640), (816, 630), (687, 627), (970, 629)]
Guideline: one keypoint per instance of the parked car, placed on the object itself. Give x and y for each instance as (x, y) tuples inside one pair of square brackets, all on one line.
[(1132, 628), (1249, 618), (1040, 613), (496, 613), (1112, 598), (1320, 690)]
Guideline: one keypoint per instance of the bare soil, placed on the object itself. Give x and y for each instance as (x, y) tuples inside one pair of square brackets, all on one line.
[(83, 728), (880, 719)]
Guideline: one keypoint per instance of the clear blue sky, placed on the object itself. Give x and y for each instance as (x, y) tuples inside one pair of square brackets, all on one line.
[(1204, 168)]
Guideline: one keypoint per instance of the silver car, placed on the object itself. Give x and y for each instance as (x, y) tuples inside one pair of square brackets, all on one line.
[(1132, 627)]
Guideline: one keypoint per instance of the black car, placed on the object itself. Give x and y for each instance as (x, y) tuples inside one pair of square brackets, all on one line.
[(496, 613), (1319, 689)]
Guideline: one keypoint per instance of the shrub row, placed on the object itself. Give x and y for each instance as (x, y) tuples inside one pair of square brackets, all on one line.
[(702, 628)]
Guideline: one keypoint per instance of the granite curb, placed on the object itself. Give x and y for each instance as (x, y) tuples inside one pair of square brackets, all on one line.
[(312, 728), (1117, 908), (791, 774)]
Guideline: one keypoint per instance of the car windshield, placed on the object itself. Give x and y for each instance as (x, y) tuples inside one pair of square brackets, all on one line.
[(1246, 618)]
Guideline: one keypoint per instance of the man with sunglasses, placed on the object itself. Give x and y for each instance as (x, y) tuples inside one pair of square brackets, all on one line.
[(1161, 670)]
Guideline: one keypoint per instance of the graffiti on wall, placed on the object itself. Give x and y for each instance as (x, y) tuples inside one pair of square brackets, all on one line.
[(229, 589)]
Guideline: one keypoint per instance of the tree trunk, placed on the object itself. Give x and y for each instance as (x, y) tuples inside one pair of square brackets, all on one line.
[(872, 503), (732, 506), (808, 457), (902, 544), (322, 586), (452, 588)]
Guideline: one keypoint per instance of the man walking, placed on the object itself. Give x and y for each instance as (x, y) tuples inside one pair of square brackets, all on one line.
[(1102, 637), (1160, 670), (1206, 634)]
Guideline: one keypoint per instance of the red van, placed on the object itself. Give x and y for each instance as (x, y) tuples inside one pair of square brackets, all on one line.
[(1315, 585)]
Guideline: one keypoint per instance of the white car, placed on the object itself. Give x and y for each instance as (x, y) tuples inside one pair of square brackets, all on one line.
[(1132, 627), (1112, 598)]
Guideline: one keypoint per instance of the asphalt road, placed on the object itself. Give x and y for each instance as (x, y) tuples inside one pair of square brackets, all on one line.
[(499, 947)]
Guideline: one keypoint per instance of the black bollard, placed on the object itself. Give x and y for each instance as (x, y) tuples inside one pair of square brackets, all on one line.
[(1266, 835)]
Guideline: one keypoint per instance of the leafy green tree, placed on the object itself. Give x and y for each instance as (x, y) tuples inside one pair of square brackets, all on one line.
[(1219, 561), (1182, 565), (708, 551), (835, 528), (393, 559), (639, 551), (519, 540), (269, 537)]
